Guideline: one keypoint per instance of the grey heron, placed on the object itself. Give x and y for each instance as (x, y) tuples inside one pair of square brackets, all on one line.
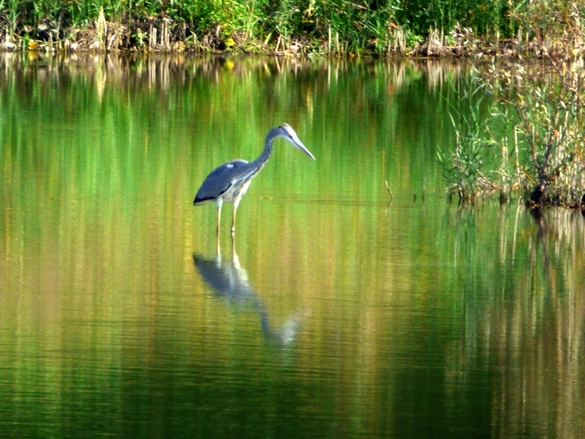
[(229, 182)]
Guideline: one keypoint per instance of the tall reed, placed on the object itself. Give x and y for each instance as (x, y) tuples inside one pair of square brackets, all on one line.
[(536, 121)]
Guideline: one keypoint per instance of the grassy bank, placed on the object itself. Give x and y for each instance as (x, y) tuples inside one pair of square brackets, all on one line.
[(327, 27)]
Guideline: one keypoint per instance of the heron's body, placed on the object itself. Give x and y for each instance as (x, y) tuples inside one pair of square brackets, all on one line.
[(229, 182)]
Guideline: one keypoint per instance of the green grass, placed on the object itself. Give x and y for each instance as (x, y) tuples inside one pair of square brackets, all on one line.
[(328, 26)]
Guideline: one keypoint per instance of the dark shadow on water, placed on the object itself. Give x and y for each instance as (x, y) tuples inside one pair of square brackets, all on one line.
[(230, 283)]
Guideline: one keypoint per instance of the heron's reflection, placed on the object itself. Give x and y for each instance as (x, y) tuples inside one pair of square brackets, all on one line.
[(230, 282)]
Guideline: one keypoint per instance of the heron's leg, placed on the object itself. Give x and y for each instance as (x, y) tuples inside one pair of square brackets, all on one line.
[(236, 204), (234, 219), (218, 217), (243, 190)]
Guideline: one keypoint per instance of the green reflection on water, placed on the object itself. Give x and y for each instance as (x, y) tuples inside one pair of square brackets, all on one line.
[(409, 319)]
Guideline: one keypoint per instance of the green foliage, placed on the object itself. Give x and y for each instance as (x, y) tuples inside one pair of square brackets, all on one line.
[(551, 120), (544, 126), (469, 167), (551, 27), (482, 16), (339, 25), (530, 142)]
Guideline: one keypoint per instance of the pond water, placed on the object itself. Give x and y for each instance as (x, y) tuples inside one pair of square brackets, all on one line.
[(337, 310)]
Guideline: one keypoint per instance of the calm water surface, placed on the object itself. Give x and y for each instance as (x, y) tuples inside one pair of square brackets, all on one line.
[(338, 311)]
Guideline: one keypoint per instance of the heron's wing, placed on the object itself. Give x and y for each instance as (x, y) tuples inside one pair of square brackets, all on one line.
[(220, 180)]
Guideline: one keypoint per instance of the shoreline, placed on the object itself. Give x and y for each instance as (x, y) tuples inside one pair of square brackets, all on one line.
[(114, 37)]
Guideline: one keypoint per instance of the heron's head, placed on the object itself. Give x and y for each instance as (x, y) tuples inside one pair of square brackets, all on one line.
[(286, 132)]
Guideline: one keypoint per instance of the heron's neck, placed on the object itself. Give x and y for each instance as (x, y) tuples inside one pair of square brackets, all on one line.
[(261, 161)]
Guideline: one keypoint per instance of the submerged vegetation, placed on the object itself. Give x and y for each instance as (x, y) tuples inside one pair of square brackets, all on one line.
[(298, 26)]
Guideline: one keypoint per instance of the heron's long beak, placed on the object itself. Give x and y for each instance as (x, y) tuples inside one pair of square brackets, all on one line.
[(297, 143), (306, 151)]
